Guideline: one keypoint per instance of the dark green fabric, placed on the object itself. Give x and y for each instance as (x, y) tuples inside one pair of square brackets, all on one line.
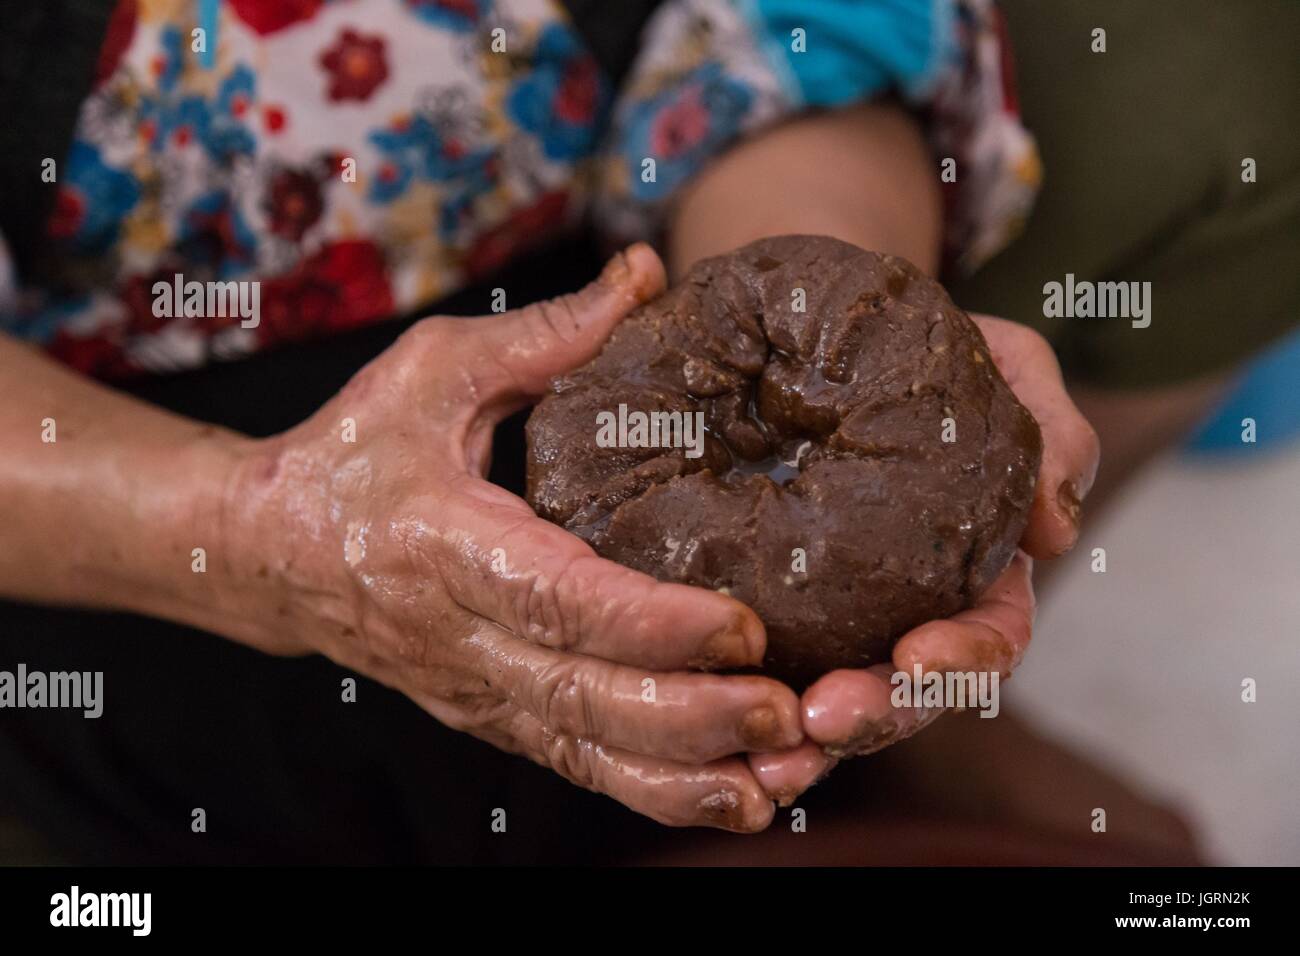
[(48, 53), (1142, 148)]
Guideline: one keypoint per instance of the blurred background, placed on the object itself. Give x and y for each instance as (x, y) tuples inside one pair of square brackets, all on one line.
[(1140, 668)]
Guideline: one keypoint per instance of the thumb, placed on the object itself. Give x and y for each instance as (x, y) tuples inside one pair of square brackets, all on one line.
[(525, 348)]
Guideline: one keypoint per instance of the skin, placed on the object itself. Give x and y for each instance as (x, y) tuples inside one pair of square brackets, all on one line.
[(394, 557)]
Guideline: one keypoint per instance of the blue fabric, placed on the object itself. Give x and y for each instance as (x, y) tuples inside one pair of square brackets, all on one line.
[(1268, 394), (209, 16), (856, 48)]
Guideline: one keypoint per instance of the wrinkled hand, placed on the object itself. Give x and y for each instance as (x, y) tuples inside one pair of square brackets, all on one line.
[(849, 712), (392, 555)]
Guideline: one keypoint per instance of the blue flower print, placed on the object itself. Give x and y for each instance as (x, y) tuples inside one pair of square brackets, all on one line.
[(680, 127), (563, 98), (415, 148), (100, 196), (458, 15)]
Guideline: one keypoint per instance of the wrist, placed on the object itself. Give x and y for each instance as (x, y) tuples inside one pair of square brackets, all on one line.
[(259, 564), (190, 560), (283, 584)]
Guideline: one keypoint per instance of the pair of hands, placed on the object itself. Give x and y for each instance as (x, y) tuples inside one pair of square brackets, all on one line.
[(393, 556)]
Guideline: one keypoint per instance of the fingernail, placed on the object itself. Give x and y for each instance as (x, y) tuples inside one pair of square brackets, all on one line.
[(616, 272), (619, 274), (754, 636), (722, 648), (733, 645), (786, 797), (831, 763), (1067, 496), (760, 729), (724, 809), (986, 655), (870, 737), (952, 665)]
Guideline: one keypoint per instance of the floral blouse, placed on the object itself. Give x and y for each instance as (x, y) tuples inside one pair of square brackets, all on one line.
[(364, 158)]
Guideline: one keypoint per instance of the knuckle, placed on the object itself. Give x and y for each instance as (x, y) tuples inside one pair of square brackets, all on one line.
[(1036, 350), (433, 333), (434, 343), (570, 758), (547, 615), (560, 698), (1038, 341), (1033, 341)]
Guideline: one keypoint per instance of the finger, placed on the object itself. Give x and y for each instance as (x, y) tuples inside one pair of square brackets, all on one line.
[(517, 354), (548, 587), (992, 636), (787, 774), (851, 712), (692, 718), (1070, 446), (723, 794)]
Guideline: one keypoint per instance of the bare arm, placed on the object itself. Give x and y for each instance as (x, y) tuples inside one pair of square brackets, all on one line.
[(862, 174), (109, 512)]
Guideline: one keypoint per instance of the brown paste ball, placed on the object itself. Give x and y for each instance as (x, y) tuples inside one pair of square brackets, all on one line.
[(864, 467)]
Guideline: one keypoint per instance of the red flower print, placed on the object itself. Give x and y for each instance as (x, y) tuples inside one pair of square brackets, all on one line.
[(342, 286), (524, 229), (69, 209), (1007, 63), (121, 27), (579, 91), (294, 203), (267, 16), (274, 118), (356, 65), (680, 126), (95, 355), (137, 295), (211, 236), (326, 166)]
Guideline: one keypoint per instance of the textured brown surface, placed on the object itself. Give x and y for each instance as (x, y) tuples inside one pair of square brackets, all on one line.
[(898, 526)]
